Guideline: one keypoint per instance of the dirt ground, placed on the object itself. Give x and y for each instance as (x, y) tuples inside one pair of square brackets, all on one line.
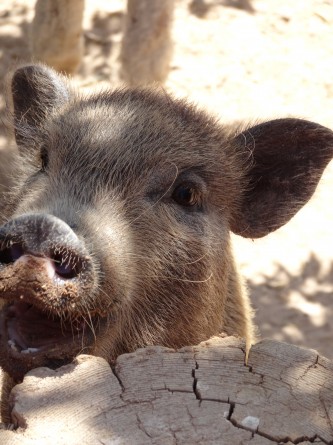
[(276, 61)]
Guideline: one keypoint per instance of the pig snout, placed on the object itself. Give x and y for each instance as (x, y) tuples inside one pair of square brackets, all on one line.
[(47, 238), (43, 262), (47, 285)]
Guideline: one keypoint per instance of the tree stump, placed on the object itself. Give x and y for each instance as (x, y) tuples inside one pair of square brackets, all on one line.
[(197, 395)]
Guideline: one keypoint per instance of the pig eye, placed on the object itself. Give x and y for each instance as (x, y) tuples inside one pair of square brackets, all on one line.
[(186, 195), (44, 157)]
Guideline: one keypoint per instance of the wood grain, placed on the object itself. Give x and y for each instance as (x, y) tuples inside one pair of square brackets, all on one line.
[(198, 395)]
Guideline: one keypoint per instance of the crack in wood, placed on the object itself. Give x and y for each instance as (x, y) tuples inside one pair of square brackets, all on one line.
[(267, 436), (195, 382), (231, 410), (327, 415), (141, 426), (256, 431), (113, 369), (143, 381)]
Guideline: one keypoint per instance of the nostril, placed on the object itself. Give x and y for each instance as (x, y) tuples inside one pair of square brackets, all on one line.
[(64, 270), (9, 254), (67, 266)]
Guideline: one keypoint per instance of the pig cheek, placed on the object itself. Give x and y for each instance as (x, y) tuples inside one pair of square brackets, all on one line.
[(33, 196), (114, 253), (113, 290)]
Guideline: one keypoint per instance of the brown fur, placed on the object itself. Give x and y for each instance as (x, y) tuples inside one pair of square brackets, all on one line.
[(7, 159), (163, 270)]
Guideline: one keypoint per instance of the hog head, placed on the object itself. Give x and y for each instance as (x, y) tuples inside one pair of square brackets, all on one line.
[(117, 232)]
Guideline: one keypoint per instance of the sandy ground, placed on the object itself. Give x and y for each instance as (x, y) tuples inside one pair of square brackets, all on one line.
[(277, 61)]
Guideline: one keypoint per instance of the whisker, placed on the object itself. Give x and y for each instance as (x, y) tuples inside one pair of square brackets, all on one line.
[(142, 257), (90, 324), (198, 259), (181, 279), (4, 186), (100, 289)]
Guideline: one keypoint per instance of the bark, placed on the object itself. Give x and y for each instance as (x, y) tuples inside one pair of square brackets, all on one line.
[(198, 395), (56, 36), (146, 50)]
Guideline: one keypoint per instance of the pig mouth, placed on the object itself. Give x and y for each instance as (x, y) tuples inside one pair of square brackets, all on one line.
[(31, 338), (31, 331)]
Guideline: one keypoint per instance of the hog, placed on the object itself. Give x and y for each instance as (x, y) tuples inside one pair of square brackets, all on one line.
[(117, 231)]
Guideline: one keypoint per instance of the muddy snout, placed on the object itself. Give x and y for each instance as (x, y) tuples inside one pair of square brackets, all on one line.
[(43, 262)]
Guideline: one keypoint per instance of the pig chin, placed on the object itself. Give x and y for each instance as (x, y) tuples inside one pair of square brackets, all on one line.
[(43, 321), (30, 338)]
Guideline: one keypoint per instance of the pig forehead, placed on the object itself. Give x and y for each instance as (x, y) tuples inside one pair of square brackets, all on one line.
[(133, 133), (104, 127)]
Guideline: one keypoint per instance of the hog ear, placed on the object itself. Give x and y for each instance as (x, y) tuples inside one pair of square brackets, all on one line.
[(36, 90), (287, 159)]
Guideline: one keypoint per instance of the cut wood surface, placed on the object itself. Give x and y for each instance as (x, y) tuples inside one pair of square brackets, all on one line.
[(197, 395)]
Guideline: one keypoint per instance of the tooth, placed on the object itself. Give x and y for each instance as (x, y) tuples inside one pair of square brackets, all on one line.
[(29, 350), (12, 345)]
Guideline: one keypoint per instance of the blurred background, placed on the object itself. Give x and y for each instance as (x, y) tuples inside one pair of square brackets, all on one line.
[(240, 60)]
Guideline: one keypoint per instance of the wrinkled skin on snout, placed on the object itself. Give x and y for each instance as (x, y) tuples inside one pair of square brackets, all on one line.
[(116, 234)]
